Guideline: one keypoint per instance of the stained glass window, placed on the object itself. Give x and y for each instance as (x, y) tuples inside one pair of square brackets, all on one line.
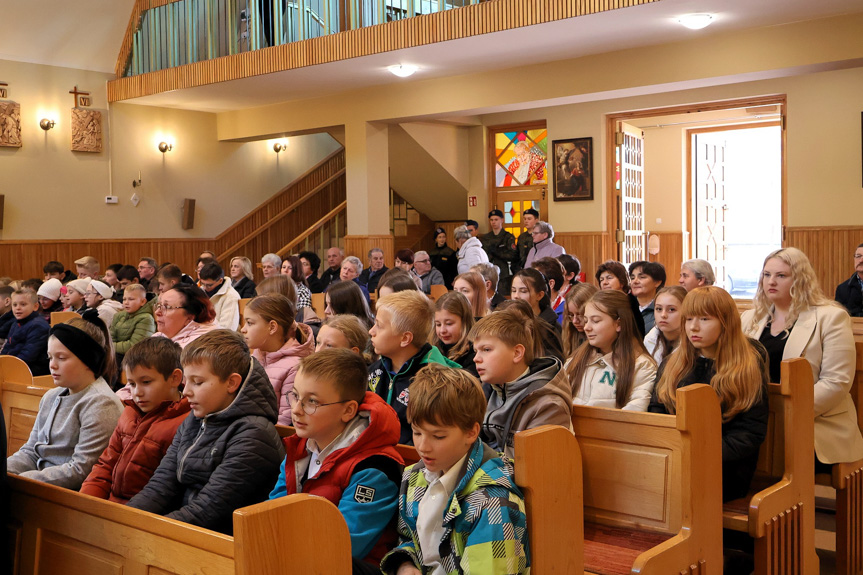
[(520, 158)]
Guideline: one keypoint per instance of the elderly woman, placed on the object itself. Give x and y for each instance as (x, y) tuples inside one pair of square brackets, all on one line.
[(470, 250), (696, 273), (184, 313), (792, 318), (352, 267), (271, 265), (242, 278)]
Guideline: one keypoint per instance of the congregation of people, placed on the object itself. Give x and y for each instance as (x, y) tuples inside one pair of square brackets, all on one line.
[(168, 396)]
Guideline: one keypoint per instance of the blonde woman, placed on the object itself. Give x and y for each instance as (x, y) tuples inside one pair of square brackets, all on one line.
[(242, 278), (793, 318)]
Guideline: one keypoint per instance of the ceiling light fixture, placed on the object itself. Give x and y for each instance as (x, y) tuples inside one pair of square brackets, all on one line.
[(402, 70), (696, 21)]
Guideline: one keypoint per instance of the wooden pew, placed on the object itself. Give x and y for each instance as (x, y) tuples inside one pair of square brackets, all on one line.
[(62, 316), (319, 304), (55, 530), (437, 291), (652, 487), (242, 305), (779, 514), (20, 396), (857, 328), (847, 480)]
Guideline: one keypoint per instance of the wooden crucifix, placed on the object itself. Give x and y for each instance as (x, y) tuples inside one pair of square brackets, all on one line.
[(82, 99)]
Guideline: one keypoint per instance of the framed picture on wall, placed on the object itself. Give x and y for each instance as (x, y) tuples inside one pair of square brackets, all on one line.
[(573, 169)]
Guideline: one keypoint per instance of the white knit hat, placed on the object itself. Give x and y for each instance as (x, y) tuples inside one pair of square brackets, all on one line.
[(102, 289), (80, 285), (50, 289)]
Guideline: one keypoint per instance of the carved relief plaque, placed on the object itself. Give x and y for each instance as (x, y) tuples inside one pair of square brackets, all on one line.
[(10, 124), (86, 130)]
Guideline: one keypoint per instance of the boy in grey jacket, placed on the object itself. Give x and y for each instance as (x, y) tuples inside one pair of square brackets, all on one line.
[(227, 453)]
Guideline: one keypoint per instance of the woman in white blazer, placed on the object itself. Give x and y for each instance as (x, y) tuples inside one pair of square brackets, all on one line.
[(792, 318)]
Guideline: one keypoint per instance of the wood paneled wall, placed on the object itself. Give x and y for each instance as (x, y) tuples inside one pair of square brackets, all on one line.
[(671, 250), (359, 246), (830, 249), (473, 20), (591, 249), (24, 259)]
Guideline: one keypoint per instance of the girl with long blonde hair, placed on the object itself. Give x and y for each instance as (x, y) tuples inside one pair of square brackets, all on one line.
[(714, 351), (472, 286), (665, 335), (793, 318)]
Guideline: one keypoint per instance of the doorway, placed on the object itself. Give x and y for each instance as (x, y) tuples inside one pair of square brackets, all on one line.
[(736, 200)]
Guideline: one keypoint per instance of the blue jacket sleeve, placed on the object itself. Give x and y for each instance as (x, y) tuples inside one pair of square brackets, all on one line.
[(281, 489), (368, 504)]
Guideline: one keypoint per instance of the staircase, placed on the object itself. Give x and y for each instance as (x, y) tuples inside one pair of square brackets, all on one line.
[(411, 229)]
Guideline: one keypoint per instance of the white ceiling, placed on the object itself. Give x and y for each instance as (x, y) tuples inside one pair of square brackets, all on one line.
[(94, 45), (82, 34)]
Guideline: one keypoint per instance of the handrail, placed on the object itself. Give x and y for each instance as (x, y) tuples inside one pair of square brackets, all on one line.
[(275, 219), (314, 227)]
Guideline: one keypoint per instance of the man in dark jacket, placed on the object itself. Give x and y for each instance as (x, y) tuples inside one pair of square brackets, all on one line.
[(525, 240), (850, 293), (372, 274), (501, 249), (330, 275), (227, 453)]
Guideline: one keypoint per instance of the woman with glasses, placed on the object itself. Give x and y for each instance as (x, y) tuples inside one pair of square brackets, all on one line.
[(184, 313)]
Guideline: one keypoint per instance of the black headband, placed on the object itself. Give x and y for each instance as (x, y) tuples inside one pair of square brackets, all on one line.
[(81, 344)]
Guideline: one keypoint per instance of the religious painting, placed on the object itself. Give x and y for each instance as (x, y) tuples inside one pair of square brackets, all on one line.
[(10, 124), (520, 157), (573, 169), (86, 130)]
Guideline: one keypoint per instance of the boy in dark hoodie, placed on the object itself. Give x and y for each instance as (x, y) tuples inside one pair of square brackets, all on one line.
[(28, 337), (344, 450), (524, 394), (400, 337), (7, 318), (225, 455)]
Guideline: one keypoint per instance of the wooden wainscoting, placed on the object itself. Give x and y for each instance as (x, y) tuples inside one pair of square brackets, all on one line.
[(359, 246), (830, 249), (591, 249), (671, 250)]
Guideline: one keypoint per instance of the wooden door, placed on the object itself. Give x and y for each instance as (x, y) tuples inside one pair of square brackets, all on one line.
[(710, 205), (518, 172), (630, 235)]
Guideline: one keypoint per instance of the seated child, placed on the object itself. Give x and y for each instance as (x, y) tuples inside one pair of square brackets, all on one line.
[(100, 296), (28, 336), (7, 318), (75, 291), (525, 393), (400, 336), (453, 320), (344, 331), (49, 298), (227, 454), (278, 341), (344, 450), (613, 369), (148, 424), (714, 350), (75, 419), (487, 532), (135, 322)]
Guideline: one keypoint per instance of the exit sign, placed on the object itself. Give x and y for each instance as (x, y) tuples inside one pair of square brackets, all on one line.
[(471, 201)]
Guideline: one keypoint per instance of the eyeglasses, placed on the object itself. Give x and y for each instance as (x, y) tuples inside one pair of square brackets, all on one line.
[(166, 307), (535, 233), (310, 406), (421, 261), (209, 286)]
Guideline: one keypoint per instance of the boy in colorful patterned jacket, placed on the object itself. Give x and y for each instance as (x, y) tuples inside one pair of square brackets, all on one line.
[(344, 450), (460, 510)]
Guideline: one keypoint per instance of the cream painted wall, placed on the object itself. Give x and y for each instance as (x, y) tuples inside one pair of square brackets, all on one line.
[(823, 149), (54, 193)]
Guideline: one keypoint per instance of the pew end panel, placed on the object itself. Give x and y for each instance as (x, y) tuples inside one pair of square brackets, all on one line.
[(548, 470), (652, 487), (278, 533), (21, 394), (62, 317)]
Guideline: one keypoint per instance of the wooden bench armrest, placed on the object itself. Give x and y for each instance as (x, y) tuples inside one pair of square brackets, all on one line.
[(769, 503), (305, 533), (842, 471)]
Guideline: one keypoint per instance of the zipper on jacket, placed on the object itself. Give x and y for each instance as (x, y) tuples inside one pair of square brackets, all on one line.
[(194, 443)]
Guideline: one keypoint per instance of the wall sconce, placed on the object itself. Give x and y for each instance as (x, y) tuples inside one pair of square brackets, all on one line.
[(165, 147), (46, 124), (280, 146)]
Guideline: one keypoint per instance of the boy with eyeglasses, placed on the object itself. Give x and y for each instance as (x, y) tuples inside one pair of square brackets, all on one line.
[(344, 450)]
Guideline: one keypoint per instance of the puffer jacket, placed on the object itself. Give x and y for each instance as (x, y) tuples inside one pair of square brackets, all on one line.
[(469, 254), (137, 446), (225, 461), (107, 310), (28, 341), (485, 526), (281, 367), (127, 329)]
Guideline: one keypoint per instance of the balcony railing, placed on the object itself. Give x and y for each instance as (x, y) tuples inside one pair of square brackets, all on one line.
[(172, 33)]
